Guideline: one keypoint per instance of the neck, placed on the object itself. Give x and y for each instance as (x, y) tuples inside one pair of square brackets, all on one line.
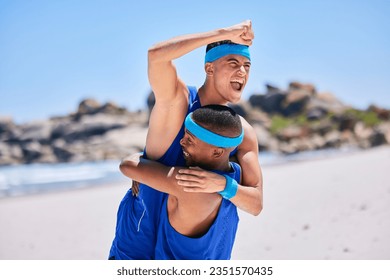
[(208, 95)]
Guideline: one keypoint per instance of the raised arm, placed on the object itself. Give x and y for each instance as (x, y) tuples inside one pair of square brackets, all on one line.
[(170, 91), (162, 72)]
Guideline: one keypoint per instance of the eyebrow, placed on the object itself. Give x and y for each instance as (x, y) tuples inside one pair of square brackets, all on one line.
[(232, 59), (236, 60)]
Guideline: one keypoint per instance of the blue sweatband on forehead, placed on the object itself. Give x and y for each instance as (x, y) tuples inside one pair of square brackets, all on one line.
[(226, 49), (211, 137)]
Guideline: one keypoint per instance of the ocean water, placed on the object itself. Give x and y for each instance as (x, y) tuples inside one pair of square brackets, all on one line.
[(36, 178)]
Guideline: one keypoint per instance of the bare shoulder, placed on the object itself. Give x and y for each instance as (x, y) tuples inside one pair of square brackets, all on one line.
[(247, 155), (250, 137), (165, 121)]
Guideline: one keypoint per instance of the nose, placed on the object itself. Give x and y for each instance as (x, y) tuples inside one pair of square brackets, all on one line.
[(242, 71), (182, 142)]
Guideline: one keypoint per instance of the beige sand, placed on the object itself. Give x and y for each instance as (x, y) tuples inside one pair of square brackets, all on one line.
[(334, 208)]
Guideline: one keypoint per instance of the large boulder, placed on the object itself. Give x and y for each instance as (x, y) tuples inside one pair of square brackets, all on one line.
[(326, 102), (36, 131), (88, 106), (32, 151), (308, 89), (91, 106), (10, 154), (315, 113), (384, 128), (298, 95), (381, 113), (377, 138), (295, 102), (6, 124), (345, 122), (269, 103), (264, 137), (250, 114), (292, 132), (87, 126), (332, 139)]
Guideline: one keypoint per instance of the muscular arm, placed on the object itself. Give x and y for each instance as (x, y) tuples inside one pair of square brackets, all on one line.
[(151, 173), (162, 72), (170, 91), (249, 196)]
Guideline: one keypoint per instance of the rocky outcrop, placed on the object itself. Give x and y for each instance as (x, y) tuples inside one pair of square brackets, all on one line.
[(297, 98), (288, 121), (94, 132), (300, 119)]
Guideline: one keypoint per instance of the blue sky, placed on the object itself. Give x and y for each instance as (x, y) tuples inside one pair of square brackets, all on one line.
[(54, 53)]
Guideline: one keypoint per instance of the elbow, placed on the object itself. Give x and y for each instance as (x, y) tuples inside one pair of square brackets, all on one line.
[(153, 54), (258, 206), (127, 167), (257, 210)]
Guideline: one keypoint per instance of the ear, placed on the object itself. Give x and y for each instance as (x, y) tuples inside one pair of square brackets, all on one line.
[(209, 69), (218, 152)]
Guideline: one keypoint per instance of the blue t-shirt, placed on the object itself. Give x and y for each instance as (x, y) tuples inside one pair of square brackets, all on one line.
[(215, 244), (138, 217)]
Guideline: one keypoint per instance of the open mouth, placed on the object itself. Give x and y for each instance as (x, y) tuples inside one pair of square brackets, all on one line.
[(237, 84), (186, 155)]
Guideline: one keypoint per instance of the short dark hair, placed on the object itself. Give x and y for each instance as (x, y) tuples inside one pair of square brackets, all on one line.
[(215, 44), (219, 119)]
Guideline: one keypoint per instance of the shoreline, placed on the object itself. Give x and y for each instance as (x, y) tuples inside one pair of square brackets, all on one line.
[(331, 208), (46, 178)]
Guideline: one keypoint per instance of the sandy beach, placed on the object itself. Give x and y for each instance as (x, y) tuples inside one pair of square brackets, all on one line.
[(332, 208)]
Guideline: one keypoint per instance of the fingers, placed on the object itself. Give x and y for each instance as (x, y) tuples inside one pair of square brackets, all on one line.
[(248, 34), (191, 184), (241, 33), (246, 42), (200, 181), (187, 177), (135, 188), (248, 22), (247, 38), (189, 180), (191, 177), (193, 190), (196, 171)]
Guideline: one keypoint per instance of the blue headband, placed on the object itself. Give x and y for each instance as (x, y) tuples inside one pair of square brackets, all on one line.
[(226, 49), (211, 137)]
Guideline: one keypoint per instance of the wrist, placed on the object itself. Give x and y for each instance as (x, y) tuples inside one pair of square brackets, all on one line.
[(231, 188), (216, 35)]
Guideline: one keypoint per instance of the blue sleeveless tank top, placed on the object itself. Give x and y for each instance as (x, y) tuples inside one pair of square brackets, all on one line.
[(215, 244), (138, 217)]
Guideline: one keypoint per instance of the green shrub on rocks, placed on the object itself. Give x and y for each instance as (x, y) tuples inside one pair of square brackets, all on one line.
[(369, 118)]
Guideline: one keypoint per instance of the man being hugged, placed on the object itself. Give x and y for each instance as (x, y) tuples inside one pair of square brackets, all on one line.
[(197, 226)]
